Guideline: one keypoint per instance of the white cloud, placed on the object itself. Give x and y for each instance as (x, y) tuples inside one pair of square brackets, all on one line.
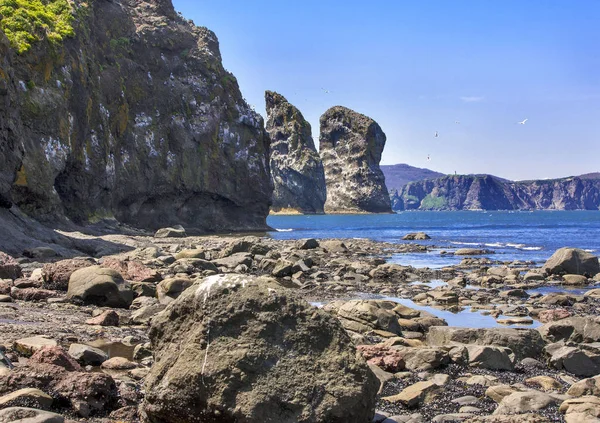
[(472, 99)]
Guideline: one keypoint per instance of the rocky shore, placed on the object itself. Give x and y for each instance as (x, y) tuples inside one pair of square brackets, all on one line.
[(251, 329)]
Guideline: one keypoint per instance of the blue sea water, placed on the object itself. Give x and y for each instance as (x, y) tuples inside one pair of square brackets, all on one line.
[(527, 236)]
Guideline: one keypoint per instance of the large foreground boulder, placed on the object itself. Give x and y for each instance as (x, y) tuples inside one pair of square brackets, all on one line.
[(573, 329), (572, 261), (236, 348)]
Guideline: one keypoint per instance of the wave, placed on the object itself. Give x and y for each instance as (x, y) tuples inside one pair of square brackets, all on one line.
[(284, 230), (499, 245)]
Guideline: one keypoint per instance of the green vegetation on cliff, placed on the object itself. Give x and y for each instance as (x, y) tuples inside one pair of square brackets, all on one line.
[(27, 21)]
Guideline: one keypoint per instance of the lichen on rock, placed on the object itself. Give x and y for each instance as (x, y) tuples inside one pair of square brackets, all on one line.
[(296, 167), (351, 145)]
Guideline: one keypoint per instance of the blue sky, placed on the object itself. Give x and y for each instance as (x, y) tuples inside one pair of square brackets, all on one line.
[(418, 66)]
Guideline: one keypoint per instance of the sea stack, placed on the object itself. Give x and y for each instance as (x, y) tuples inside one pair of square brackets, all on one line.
[(350, 146), (296, 167)]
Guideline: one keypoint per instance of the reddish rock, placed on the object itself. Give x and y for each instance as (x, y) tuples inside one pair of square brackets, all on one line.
[(56, 275), (132, 270), (56, 356), (87, 393), (125, 414), (26, 283), (384, 357), (32, 294), (5, 286), (9, 268), (108, 318), (553, 315)]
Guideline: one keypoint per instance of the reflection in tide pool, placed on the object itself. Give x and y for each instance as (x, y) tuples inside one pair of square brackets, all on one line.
[(465, 318), (561, 289)]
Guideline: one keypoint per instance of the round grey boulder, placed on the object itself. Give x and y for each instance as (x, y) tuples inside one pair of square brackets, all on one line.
[(99, 286), (572, 261)]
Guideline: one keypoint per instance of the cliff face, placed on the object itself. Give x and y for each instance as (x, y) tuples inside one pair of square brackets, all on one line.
[(133, 117), (490, 193), (350, 146), (296, 167)]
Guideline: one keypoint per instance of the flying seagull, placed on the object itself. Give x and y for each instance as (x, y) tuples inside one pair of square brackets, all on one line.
[(326, 91), (523, 122), (457, 122), (436, 134), (428, 158)]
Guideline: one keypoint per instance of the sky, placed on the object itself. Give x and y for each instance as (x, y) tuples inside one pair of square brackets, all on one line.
[(420, 66)]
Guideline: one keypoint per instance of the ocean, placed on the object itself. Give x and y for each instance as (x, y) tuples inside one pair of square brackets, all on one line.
[(526, 236)]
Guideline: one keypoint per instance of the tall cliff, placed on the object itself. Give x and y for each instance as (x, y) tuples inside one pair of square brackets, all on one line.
[(130, 115), (351, 145), (296, 167), (471, 192)]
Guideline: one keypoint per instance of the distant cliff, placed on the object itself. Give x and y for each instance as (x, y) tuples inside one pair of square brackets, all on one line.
[(351, 145), (296, 167), (123, 109), (398, 175), (486, 192)]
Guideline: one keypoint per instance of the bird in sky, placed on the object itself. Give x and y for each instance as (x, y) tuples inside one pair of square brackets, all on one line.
[(325, 91), (428, 158), (523, 122), (436, 134), (457, 122)]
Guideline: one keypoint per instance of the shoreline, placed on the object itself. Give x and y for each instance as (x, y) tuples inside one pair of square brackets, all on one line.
[(482, 293)]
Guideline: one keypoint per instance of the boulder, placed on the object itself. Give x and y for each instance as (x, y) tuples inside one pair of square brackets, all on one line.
[(575, 280), (171, 288), (590, 386), (239, 348), (307, 244), (87, 355), (414, 394), (574, 329), (56, 275), (98, 286), (572, 261), (9, 268), (584, 409), (27, 397), (387, 358), (416, 236), (107, 318), (132, 270), (174, 232), (522, 342), (296, 166), (365, 315), (28, 346), (490, 357), (524, 402), (553, 315), (29, 415), (351, 145), (56, 356), (32, 294), (574, 360)]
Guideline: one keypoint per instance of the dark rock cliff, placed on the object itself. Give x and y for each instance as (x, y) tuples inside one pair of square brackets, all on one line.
[(351, 145), (296, 167), (135, 118), (471, 192)]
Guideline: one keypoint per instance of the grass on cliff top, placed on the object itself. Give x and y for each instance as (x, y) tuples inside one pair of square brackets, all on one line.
[(27, 21)]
